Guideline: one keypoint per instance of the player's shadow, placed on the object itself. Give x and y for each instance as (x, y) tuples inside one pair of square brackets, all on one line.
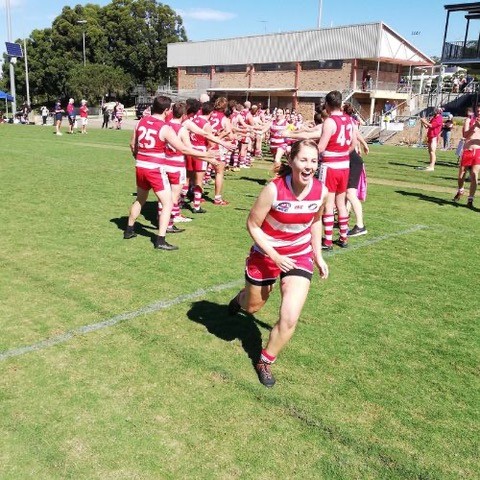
[(218, 322), (260, 181), (400, 164), (150, 213), (438, 201)]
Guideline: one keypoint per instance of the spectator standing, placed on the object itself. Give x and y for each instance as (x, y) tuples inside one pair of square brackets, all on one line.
[(71, 115), (447, 132), (58, 112), (83, 116), (44, 112), (106, 116), (434, 127)]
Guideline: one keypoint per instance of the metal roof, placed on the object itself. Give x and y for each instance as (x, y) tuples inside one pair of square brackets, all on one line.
[(363, 41)]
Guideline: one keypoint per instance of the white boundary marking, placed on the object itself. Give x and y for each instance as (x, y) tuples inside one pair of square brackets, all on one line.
[(164, 304)]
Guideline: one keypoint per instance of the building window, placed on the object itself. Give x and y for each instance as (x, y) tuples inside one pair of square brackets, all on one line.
[(323, 65), (196, 70), (230, 68), (275, 67)]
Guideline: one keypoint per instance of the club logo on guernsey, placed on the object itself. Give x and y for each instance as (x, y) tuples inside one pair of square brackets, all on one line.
[(283, 207), (313, 206)]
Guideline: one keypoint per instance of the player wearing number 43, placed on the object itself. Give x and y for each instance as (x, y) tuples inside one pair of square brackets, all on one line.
[(337, 138)]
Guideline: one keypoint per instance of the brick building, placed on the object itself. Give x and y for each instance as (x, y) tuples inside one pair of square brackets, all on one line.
[(296, 69)]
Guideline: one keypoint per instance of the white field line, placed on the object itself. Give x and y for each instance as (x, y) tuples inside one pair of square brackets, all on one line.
[(164, 304)]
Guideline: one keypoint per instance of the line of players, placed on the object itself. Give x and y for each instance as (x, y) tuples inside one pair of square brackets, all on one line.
[(175, 146), (212, 137)]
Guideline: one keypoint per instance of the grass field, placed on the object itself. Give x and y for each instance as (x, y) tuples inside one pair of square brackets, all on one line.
[(118, 361)]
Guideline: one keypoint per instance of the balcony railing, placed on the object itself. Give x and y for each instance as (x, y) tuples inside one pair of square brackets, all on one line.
[(389, 86), (459, 50)]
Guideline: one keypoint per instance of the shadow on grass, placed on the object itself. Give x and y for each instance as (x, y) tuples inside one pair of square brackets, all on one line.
[(150, 213), (260, 181), (399, 164), (438, 201), (218, 322)]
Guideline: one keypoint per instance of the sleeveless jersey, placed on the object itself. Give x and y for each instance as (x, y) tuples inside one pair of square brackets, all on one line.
[(336, 153), (288, 223), (217, 121), (173, 157), (199, 141), (151, 150), (119, 111), (276, 139)]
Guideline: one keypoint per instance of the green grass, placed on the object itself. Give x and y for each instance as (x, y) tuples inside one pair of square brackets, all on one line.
[(381, 380)]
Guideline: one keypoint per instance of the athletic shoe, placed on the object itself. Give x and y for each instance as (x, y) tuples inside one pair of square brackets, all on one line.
[(234, 307), (265, 374), (328, 248), (221, 202), (342, 243), (425, 169), (198, 210), (174, 229), (457, 197), (470, 203), (165, 246), (356, 231), (181, 219), (58, 133), (129, 233)]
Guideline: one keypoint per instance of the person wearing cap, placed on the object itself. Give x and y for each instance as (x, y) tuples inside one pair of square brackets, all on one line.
[(447, 132), (83, 116), (434, 127), (71, 115)]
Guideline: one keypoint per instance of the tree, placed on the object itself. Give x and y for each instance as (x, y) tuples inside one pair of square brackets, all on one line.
[(95, 81), (138, 32), (128, 36)]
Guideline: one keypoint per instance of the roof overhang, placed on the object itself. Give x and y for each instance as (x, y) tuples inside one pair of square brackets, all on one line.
[(471, 8)]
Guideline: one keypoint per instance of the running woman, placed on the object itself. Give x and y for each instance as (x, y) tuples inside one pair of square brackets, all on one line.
[(285, 225)]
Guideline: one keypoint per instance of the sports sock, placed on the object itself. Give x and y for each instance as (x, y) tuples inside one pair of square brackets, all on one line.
[(328, 229), (343, 226), (266, 357), (175, 210), (197, 196)]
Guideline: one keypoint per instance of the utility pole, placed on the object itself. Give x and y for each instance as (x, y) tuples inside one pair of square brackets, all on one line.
[(13, 60), (26, 71), (83, 22), (320, 7)]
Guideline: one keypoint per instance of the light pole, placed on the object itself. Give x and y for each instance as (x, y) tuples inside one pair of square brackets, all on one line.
[(12, 59), (320, 8), (83, 22)]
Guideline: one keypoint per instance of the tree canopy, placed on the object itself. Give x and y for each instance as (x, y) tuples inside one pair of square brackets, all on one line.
[(125, 45)]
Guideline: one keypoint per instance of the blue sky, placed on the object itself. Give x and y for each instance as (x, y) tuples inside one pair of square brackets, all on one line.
[(420, 22)]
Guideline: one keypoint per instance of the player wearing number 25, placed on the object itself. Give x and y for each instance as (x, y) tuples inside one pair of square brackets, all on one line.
[(148, 146)]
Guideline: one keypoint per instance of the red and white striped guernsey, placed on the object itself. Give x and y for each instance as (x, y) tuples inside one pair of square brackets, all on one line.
[(173, 157), (151, 149), (288, 223), (217, 121), (199, 142), (276, 139), (336, 154)]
